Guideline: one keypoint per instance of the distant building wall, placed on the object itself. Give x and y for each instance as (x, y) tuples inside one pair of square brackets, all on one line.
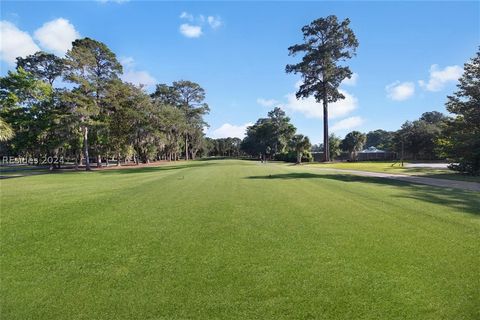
[(364, 156)]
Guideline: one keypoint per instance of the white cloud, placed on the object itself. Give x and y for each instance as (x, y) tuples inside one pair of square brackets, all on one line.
[(298, 84), (127, 62), (134, 76), (190, 31), (400, 91), (267, 102), (347, 124), (138, 78), (229, 130), (186, 15), (214, 22), (352, 81), (312, 109), (194, 28), (57, 35), (15, 43), (440, 77)]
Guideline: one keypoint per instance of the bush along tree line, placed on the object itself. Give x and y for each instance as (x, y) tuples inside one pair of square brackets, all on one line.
[(95, 116)]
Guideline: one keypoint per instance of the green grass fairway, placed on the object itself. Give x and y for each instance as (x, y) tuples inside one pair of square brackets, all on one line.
[(395, 167), (229, 239)]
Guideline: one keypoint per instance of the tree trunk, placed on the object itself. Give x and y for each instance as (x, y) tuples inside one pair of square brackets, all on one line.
[(118, 159), (326, 144), (186, 146), (299, 157), (85, 148), (76, 160), (99, 161)]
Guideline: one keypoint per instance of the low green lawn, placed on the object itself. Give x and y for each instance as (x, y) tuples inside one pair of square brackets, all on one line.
[(395, 167), (230, 239)]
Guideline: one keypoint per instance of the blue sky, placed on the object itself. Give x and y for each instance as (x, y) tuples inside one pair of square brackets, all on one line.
[(409, 56)]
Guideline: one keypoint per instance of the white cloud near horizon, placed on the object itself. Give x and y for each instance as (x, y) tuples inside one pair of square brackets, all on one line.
[(267, 102), (347, 124), (400, 91), (312, 109), (15, 43), (56, 35), (190, 31), (352, 81), (440, 77), (137, 77), (229, 130)]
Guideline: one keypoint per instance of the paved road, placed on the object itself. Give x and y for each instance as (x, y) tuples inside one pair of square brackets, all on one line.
[(465, 185), (427, 165)]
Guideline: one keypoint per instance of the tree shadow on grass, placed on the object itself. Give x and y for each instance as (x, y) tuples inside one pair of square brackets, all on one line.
[(104, 171), (21, 174), (153, 169), (467, 201)]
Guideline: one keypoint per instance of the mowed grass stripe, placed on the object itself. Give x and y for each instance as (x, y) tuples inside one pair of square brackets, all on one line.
[(229, 239), (407, 233)]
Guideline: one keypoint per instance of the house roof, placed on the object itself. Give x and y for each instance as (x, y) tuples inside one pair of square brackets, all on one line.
[(372, 150)]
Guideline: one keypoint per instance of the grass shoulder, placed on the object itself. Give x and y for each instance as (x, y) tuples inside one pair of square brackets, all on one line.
[(396, 168)]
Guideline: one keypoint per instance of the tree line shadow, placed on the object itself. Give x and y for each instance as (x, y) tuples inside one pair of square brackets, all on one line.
[(467, 201), (20, 173), (152, 169)]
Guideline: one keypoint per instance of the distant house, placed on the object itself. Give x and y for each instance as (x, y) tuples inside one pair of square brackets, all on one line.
[(372, 150), (372, 153), (369, 154)]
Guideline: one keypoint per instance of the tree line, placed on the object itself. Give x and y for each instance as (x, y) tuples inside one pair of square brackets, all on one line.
[(415, 140), (454, 137), (96, 115), (274, 137)]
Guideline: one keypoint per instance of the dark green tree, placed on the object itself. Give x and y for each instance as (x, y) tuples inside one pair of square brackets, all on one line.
[(354, 142), (22, 107), (380, 139), (300, 144), (419, 137), (191, 98), (326, 44), (166, 95), (335, 143), (434, 117), (461, 142), (43, 66), (91, 66), (269, 136)]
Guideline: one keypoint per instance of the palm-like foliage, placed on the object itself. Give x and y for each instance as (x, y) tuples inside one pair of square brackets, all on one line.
[(300, 144), (354, 142), (6, 131)]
